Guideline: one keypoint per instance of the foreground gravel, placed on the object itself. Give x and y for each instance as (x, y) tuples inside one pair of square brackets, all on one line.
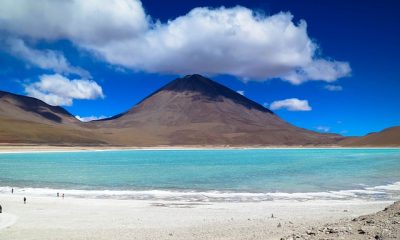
[(383, 225)]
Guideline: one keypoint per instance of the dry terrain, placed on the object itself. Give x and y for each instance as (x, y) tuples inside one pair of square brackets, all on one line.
[(51, 218), (189, 111), (384, 225)]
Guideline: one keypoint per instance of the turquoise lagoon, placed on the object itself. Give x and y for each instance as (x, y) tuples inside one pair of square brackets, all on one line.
[(207, 175)]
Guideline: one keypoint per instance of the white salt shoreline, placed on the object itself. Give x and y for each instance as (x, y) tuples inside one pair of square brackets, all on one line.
[(383, 193), (5, 149), (7, 220), (73, 218)]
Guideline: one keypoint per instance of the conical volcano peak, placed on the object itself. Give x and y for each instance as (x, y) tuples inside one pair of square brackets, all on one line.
[(197, 78), (194, 77), (196, 110), (207, 89), (194, 82)]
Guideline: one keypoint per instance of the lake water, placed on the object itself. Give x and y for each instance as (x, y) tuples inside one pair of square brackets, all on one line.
[(207, 175)]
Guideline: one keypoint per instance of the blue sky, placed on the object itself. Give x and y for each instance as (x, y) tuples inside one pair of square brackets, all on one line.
[(322, 65)]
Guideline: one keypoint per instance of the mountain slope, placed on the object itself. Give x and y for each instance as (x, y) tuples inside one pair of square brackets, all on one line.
[(389, 137), (188, 111), (198, 111), (32, 109), (31, 121)]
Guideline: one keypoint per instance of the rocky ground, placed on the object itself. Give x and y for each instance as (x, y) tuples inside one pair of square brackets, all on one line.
[(384, 225)]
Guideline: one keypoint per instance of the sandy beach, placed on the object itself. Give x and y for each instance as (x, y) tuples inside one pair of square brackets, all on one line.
[(75, 218)]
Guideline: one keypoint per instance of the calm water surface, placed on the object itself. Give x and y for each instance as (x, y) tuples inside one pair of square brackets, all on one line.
[(261, 174)]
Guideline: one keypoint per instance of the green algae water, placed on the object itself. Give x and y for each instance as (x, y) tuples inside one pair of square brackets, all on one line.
[(207, 175)]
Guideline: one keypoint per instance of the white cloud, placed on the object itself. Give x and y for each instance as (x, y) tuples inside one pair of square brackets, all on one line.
[(234, 41), (291, 104), (241, 92), (333, 87), (90, 118), (45, 59), (328, 71), (323, 128), (83, 22), (59, 90)]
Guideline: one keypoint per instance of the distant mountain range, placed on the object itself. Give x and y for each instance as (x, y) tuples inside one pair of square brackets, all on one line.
[(191, 111), (389, 137)]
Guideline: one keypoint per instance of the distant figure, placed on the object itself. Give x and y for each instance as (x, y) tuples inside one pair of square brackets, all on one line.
[(24, 200), (58, 194), (63, 195), (1, 209), (12, 190)]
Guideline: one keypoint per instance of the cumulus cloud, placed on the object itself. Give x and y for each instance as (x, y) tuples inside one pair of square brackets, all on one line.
[(58, 90), (90, 118), (333, 88), (324, 70), (83, 22), (291, 104), (323, 128), (235, 41), (45, 59)]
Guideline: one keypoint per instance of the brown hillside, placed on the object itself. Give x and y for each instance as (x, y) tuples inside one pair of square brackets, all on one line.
[(198, 111), (26, 120), (389, 137)]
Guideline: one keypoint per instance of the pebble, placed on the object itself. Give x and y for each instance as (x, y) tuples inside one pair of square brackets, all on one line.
[(361, 231), (378, 226), (309, 232)]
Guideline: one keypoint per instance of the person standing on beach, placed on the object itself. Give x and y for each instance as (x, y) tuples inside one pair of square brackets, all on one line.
[(58, 194), (24, 200), (1, 209), (12, 190), (63, 195)]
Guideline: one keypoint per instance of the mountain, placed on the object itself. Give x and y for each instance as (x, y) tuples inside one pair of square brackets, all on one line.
[(389, 137), (192, 110), (31, 121), (195, 110), (24, 108)]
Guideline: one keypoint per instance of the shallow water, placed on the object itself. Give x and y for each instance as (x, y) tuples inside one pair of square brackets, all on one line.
[(207, 175)]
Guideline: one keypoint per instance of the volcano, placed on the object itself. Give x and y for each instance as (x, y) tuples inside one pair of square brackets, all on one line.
[(195, 110), (189, 111)]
